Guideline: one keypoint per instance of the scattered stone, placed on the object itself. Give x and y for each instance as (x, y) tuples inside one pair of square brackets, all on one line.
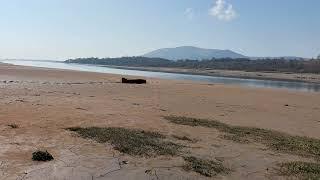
[(81, 109), (41, 156), (13, 126), (124, 162), (20, 100)]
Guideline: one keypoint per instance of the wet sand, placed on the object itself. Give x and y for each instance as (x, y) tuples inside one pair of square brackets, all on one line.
[(43, 102)]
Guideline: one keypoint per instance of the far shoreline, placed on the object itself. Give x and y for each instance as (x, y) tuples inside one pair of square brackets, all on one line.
[(222, 73)]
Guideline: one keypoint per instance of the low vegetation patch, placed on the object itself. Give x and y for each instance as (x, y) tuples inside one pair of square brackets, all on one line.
[(300, 170), (207, 168), (42, 156), (13, 126), (148, 144), (183, 138), (275, 140), (129, 141), (234, 138)]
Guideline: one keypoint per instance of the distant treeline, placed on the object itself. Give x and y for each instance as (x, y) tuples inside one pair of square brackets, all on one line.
[(273, 65)]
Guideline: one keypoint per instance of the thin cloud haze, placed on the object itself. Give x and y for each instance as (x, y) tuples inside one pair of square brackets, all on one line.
[(223, 11), (189, 13)]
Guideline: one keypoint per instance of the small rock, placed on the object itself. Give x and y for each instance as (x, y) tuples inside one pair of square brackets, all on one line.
[(41, 156)]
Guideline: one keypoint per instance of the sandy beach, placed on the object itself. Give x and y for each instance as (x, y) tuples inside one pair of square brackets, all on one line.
[(43, 102)]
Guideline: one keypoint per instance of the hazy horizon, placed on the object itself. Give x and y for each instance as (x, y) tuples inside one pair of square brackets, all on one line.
[(59, 30)]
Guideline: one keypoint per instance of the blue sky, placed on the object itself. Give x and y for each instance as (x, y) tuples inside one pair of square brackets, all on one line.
[(61, 29)]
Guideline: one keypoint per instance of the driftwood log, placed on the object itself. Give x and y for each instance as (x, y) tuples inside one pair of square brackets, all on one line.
[(134, 81)]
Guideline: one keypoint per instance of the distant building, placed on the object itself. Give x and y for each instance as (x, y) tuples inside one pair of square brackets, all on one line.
[(318, 57)]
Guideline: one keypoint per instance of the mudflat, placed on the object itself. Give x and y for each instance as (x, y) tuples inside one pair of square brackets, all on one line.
[(37, 105)]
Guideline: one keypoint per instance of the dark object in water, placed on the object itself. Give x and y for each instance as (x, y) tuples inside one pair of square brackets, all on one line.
[(134, 81), (41, 156)]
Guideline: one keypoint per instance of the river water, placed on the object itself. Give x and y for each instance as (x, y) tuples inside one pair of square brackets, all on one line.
[(299, 86)]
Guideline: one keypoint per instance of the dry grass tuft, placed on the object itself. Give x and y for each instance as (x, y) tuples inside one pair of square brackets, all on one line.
[(275, 140), (300, 170), (129, 141), (205, 167)]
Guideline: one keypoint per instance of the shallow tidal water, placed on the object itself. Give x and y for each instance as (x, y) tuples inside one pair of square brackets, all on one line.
[(289, 85)]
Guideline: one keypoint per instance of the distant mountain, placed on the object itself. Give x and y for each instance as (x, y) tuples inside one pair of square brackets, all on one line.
[(193, 53)]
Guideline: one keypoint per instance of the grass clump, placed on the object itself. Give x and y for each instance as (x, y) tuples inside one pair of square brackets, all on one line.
[(129, 141), (183, 138), (13, 126), (235, 138), (207, 168), (42, 156), (275, 140), (300, 170)]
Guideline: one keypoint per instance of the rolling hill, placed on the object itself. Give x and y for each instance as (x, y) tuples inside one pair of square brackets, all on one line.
[(194, 53)]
